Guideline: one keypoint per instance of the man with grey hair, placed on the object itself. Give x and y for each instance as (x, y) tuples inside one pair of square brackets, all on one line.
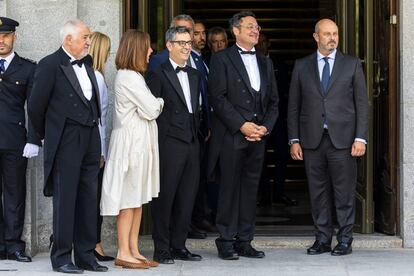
[(181, 20), (243, 94), (178, 127), (64, 108), (216, 41)]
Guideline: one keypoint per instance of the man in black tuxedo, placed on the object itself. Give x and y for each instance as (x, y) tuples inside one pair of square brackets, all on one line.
[(243, 95), (328, 118), (16, 79), (178, 127), (64, 108)]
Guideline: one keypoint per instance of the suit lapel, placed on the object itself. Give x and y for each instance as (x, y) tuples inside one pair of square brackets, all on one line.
[(175, 82), (91, 75), (71, 75), (192, 79), (14, 65), (235, 58), (336, 69), (313, 64), (261, 62)]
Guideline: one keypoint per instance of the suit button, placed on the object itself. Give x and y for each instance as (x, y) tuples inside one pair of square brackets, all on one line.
[(239, 80), (248, 101), (94, 121), (20, 123), (244, 90), (75, 104), (17, 82), (70, 95), (176, 112)]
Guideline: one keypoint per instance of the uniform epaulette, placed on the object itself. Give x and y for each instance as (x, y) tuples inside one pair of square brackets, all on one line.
[(29, 60)]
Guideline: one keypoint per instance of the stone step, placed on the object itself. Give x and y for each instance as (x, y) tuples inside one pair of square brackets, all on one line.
[(361, 241)]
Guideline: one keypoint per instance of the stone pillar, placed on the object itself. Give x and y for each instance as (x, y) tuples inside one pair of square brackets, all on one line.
[(38, 36), (407, 122)]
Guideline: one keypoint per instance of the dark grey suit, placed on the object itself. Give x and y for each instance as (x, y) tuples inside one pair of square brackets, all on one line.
[(237, 161), (330, 168)]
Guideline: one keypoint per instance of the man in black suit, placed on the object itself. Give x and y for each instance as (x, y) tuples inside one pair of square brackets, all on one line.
[(178, 126), (64, 109), (243, 95), (328, 118), (16, 79)]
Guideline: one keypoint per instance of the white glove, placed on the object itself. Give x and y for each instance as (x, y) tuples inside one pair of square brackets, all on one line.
[(30, 150)]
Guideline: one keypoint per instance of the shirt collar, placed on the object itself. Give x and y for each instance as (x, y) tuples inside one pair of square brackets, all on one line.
[(72, 58), (195, 52), (175, 65), (330, 56), (9, 58), (244, 49)]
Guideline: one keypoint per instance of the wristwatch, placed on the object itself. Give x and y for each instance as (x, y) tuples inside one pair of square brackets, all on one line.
[(291, 142)]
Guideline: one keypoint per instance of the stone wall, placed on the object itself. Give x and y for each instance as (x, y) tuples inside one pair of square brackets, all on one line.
[(407, 122), (38, 36)]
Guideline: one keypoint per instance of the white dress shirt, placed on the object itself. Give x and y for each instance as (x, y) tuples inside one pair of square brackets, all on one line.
[(185, 85), (82, 76), (252, 68)]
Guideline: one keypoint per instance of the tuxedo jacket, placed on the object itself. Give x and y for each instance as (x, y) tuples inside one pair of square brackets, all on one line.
[(15, 85), (174, 120), (232, 100), (344, 107), (57, 97)]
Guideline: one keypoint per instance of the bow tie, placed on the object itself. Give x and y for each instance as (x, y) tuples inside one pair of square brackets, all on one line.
[(79, 62), (242, 52), (178, 69)]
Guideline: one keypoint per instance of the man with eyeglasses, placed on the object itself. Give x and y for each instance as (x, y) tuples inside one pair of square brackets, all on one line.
[(243, 94), (178, 126)]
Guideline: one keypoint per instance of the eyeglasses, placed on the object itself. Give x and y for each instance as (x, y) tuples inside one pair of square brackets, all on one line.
[(252, 28), (182, 43)]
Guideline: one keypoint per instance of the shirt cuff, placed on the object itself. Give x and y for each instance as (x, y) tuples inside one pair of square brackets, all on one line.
[(361, 140)]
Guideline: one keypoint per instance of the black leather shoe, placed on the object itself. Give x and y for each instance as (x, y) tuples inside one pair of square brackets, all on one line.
[(341, 249), (226, 250), (3, 256), (247, 250), (184, 255), (319, 248), (163, 257), (69, 268), (19, 256), (102, 258), (196, 233), (93, 267)]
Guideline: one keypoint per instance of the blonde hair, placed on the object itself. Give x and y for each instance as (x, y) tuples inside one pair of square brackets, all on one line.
[(99, 50), (132, 51)]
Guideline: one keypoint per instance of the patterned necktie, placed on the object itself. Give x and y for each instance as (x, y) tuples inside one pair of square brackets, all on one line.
[(325, 75), (2, 68)]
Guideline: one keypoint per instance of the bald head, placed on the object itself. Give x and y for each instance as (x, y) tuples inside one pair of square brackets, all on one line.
[(326, 36)]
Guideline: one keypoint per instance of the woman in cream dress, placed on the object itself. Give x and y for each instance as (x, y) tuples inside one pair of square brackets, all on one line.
[(131, 176)]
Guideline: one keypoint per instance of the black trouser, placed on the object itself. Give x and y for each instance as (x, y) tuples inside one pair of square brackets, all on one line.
[(13, 188), (75, 177), (332, 174), (171, 211), (99, 217), (240, 171)]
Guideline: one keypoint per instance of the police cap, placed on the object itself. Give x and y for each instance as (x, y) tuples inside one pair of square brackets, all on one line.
[(8, 25)]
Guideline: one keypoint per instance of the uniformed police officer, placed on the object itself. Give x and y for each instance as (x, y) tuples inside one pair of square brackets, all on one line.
[(16, 77)]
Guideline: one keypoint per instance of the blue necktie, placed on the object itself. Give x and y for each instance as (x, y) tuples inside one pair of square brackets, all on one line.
[(325, 75), (2, 68)]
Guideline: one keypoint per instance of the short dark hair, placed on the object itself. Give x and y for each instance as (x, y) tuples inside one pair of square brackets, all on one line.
[(235, 21), (171, 33)]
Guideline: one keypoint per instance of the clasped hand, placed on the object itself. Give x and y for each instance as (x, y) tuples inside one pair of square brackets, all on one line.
[(253, 132)]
